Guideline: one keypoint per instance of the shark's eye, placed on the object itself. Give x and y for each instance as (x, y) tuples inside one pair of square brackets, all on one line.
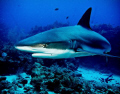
[(45, 45)]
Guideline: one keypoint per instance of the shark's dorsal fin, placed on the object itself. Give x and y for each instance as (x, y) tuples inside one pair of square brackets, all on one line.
[(84, 21)]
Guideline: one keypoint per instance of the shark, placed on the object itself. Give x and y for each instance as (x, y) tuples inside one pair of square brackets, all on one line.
[(67, 42)]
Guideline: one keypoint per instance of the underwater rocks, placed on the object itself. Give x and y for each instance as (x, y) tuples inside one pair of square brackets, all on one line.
[(4, 85), (55, 79), (2, 78), (15, 84), (65, 81)]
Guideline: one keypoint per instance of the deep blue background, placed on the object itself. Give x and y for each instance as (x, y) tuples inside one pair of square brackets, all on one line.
[(26, 14)]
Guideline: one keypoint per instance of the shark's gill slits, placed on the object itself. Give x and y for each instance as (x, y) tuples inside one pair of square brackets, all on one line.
[(73, 44)]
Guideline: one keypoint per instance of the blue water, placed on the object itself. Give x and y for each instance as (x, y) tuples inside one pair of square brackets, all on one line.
[(25, 14)]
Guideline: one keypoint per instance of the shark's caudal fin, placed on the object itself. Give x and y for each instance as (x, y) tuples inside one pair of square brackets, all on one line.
[(84, 21)]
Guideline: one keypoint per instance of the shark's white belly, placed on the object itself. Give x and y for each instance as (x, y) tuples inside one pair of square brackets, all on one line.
[(59, 54), (53, 53)]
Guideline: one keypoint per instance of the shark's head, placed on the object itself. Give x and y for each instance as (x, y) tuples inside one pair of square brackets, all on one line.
[(53, 50), (66, 42)]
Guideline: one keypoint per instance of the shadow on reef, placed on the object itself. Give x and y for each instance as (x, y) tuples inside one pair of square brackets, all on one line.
[(57, 75)]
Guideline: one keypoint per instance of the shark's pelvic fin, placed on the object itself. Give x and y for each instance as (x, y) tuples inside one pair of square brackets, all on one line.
[(84, 21)]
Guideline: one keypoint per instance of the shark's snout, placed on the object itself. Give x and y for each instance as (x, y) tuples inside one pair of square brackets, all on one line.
[(24, 48)]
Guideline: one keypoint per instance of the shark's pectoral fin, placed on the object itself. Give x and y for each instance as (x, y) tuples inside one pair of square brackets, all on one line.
[(85, 20), (107, 55)]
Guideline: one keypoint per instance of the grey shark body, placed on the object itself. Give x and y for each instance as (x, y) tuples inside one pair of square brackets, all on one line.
[(67, 42)]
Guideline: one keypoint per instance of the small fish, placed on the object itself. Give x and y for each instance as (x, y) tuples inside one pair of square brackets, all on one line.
[(56, 9), (67, 17)]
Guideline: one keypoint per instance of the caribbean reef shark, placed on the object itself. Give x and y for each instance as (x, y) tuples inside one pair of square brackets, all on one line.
[(67, 42)]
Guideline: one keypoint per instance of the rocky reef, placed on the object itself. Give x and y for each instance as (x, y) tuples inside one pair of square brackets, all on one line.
[(55, 79)]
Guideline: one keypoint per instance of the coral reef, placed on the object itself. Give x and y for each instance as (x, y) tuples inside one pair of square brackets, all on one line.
[(55, 79)]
